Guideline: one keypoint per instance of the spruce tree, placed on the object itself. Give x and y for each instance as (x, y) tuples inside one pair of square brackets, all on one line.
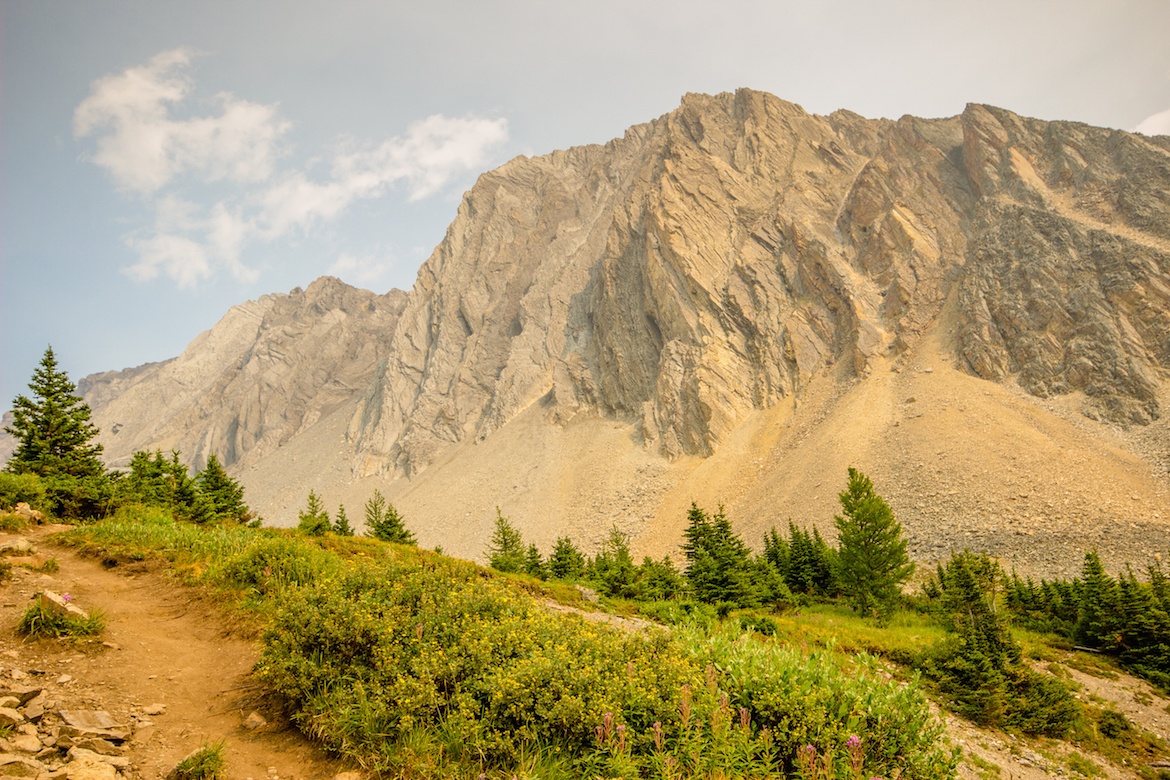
[(1098, 605), (383, 521), (506, 552), (566, 562), (872, 559), (341, 525), (719, 566), (614, 567), (53, 428), (313, 519), (224, 494), (54, 438), (534, 565)]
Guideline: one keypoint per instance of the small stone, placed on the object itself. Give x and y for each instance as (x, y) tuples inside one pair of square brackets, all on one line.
[(10, 717), (65, 679), (255, 721), (154, 709), (81, 754), (9, 701)]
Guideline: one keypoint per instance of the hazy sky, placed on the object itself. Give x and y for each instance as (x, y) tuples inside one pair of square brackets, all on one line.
[(162, 161)]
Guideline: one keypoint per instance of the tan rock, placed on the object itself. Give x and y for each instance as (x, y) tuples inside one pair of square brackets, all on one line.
[(56, 604)]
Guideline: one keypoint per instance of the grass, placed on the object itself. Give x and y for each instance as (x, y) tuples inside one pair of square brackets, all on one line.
[(40, 623), (206, 763)]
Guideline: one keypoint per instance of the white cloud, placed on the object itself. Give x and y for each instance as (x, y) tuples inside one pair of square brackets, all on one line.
[(1157, 124), (143, 146), (179, 257), (148, 148)]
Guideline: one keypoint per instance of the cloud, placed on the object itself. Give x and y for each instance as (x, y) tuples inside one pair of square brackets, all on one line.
[(146, 143), (433, 151), (143, 146), (1156, 124)]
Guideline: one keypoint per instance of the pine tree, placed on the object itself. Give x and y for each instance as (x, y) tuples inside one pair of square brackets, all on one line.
[(506, 552), (187, 501), (1098, 607), (872, 559), (383, 521), (224, 494), (566, 561), (534, 565), (341, 525), (54, 438), (719, 567), (614, 567), (313, 519), (53, 428)]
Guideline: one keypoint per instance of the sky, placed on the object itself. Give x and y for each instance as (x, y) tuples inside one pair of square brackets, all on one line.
[(163, 161)]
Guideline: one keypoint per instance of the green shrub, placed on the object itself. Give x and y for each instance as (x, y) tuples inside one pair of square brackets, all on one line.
[(206, 763), (38, 622), (15, 488)]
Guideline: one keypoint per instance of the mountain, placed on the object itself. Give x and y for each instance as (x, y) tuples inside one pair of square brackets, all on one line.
[(731, 303)]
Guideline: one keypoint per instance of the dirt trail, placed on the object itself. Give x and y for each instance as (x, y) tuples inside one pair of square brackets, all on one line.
[(162, 646)]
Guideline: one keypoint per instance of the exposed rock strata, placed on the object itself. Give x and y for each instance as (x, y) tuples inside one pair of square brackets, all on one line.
[(270, 369)]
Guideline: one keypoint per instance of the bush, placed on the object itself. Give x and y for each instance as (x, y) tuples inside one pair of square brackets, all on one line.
[(373, 657), (206, 763), (15, 488), (38, 622)]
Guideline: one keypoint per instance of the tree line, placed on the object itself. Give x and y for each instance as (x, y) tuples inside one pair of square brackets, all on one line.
[(868, 567)]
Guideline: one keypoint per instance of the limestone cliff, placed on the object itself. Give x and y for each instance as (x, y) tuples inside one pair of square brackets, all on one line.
[(709, 263), (269, 370)]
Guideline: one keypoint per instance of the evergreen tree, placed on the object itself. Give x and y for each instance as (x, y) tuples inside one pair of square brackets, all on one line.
[(53, 430), (383, 521), (566, 561), (313, 519), (507, 552), (614, 568), (872, 559), (659, 580), (534, 565), (54, 438), (719, 567), (188, 502), (224, 494), (341, 525), (1098, 607)]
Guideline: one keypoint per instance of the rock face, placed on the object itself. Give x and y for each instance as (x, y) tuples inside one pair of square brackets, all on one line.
[(267, 371), (704, 271), (709, 263)]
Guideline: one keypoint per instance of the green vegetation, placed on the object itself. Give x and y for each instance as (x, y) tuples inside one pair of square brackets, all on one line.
[(1122, 617), (384, 523), (341, 525), (55, 444), (206, 763), (313, 519), (981, 667), (39, 623), (872, 560), (419, 665)]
